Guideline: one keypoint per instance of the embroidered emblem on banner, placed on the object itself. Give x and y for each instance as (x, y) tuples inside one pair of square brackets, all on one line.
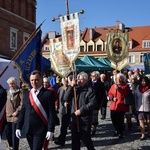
[(117, 45), (70, 35), (60, 63)]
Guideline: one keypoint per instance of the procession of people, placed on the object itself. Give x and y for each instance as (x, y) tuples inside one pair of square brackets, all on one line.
[(78, 101)]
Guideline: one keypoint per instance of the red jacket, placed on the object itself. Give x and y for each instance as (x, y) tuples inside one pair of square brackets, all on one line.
[(120, 93)]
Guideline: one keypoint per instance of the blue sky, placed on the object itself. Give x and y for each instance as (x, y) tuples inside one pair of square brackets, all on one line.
[(99, 13)]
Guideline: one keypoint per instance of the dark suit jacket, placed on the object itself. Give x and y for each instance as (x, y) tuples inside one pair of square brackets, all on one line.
[(99, 89), (32, 122), (3, 97)]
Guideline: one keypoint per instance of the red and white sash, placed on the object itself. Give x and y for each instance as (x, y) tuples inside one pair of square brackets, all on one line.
[(37, 106), (2, 117)]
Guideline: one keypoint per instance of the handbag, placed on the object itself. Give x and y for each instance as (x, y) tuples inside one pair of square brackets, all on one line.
[(129, 99)]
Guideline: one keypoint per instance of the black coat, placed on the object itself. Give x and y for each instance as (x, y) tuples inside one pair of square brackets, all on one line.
[(30, 118), (86, 103), (99, 89), (68, 99), (3, 97)]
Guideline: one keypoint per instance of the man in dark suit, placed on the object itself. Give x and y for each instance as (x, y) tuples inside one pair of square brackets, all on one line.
[(37, 113)]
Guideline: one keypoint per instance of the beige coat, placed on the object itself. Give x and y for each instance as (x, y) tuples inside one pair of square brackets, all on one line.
[(14, 105)]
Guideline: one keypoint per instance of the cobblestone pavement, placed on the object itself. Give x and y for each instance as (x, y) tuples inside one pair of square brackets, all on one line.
[(103, 139)]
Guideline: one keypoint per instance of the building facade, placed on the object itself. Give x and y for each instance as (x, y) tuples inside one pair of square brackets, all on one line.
[(93, 42), (17, 22)]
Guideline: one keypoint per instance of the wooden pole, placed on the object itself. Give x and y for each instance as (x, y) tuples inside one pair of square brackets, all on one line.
[(75, 98), (21, 48), (116, 78)]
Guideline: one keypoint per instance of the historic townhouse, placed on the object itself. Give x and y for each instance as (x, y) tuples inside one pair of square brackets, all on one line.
[(17, 22), (93, 42)]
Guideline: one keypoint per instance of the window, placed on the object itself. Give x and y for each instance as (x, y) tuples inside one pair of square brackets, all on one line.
[(141, 58), (13, 38), (146, 44), (90, 48), (131, 59), (81, 48), (99, 47), (25, 37), (130, 45), (46, 48)]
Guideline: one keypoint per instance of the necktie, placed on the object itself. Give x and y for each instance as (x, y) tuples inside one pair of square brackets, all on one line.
[(35, 91)]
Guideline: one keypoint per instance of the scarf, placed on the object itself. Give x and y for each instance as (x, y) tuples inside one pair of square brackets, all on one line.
[(93, 82), (12, 91), (142, 89)]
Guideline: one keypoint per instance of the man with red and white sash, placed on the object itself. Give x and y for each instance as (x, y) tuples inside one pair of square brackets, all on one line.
[(37, 113)]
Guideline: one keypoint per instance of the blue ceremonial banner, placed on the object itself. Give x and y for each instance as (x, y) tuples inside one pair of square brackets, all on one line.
[(30, 58), (147, 63)]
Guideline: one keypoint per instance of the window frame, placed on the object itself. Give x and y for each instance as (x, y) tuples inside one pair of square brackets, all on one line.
[(130, 59), (146, 44), (81, 48), (141, 58), (13, 38), (25, 36), (90, 48), (97, 47), (45, 48)]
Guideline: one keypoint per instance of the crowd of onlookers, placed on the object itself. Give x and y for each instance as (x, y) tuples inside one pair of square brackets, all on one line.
[(78, 101)]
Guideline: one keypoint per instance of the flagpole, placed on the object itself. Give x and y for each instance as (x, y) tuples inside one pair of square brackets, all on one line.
[(21, 48), (74, 88), (75, 97)]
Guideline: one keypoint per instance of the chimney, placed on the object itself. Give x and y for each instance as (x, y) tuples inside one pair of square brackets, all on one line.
[(91, 33), (121, 26), (52, 34)]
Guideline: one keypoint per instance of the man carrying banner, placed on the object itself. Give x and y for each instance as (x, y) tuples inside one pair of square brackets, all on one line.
[(82, 117), (37, 113)]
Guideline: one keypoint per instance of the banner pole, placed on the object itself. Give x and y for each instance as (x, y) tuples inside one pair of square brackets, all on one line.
[(116, 78), (75, 98)]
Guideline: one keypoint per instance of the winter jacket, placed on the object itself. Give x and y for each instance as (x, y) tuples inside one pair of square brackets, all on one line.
[(14, 105), (86, 103), (123, 90), (142, 100)]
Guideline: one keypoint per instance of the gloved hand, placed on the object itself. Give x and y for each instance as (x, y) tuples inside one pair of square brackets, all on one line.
[(49, 135), (18, 133)]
